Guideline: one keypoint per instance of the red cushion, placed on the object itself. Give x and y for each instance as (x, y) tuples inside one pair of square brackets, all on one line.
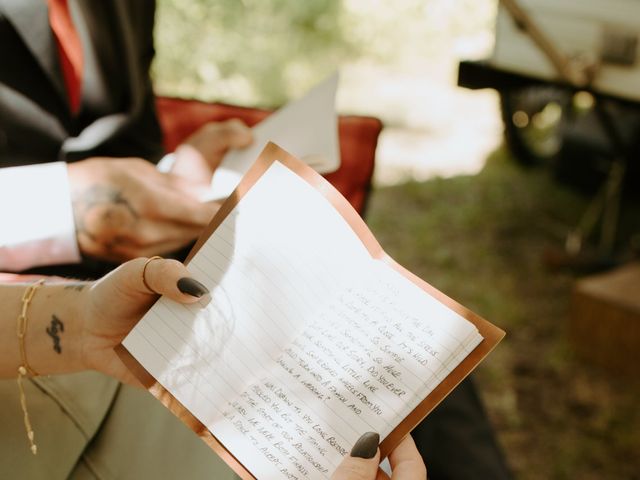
[(358, 139)]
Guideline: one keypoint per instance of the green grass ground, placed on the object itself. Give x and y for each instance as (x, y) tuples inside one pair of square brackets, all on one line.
[(481, 240)]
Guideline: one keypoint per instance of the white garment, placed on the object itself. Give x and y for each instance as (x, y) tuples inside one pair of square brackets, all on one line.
[(36, 217)]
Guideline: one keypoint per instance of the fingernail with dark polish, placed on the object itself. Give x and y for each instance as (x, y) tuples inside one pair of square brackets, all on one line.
[(192, 287), (366, 446)]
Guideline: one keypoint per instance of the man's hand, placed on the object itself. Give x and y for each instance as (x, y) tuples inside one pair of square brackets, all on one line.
[(199, 156), (124, 208)]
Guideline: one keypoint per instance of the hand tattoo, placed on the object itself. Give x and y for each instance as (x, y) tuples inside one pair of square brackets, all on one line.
[(102, 212), (53, 329)]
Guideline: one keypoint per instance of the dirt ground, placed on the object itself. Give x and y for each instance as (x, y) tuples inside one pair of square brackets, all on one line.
[(481, 240)]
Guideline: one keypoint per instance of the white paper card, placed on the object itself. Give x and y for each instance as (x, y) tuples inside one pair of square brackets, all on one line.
[(306, 128)]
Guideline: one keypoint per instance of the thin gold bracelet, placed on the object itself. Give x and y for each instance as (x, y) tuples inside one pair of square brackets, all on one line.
[(24, 369)]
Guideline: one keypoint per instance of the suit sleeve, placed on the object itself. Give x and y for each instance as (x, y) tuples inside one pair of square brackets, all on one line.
[(36, 217)]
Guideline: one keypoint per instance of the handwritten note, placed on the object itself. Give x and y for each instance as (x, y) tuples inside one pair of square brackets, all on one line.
[(307, 341)]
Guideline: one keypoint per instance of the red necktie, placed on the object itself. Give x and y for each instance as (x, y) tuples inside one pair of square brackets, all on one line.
[(69, 49)]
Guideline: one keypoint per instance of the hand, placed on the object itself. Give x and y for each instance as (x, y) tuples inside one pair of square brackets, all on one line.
[(112, 306), (199, 156), (124, 208), (362, 464)]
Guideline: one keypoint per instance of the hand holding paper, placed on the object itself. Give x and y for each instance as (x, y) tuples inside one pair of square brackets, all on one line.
[(308, 128)]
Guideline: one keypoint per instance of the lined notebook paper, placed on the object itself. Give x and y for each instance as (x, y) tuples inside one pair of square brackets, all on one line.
[(308, 340)]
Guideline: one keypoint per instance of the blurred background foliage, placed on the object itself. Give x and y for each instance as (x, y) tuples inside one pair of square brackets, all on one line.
[(249, 51), (264, 52)]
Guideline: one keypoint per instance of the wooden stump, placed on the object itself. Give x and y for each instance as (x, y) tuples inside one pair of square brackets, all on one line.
[(605, 319)]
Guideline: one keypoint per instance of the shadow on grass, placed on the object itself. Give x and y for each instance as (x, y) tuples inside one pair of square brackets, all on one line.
[(481, 239)]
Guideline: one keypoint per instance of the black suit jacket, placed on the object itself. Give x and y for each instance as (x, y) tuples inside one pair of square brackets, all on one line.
[(117, 115)]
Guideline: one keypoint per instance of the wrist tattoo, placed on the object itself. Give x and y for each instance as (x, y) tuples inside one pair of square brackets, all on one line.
[(101, 211), (78, 287), (54, 329)]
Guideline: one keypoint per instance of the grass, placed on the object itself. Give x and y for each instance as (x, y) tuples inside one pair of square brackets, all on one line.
[(481, 240)]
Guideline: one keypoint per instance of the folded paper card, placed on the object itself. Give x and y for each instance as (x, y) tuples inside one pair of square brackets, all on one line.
[(308, 128), (311, 337)]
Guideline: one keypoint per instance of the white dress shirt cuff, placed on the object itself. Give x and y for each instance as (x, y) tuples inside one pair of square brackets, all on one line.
[(36, 217)]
